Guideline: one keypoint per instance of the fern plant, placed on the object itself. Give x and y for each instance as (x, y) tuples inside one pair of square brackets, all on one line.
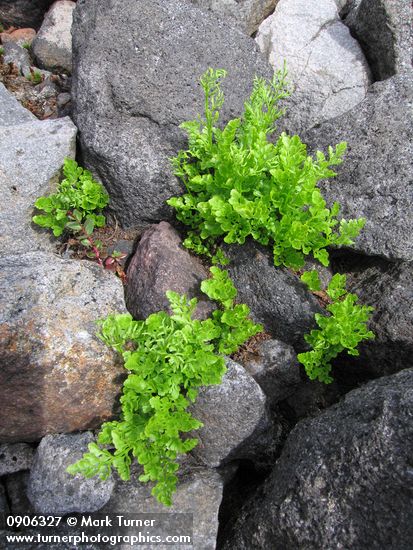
[(168, 358), (343, 330), (240, 184)]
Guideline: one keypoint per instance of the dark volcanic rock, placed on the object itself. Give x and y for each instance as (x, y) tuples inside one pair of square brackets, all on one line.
[(15, 457), (389, 289), (277, 298), (343, 479), (385, 31), (376, 178), (131, 92), (159, 264), (23, 13)]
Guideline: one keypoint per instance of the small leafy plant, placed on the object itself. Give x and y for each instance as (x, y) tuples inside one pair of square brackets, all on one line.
[(168, 358), (76, 209), (239, 184), (343, 330), (35, 76)]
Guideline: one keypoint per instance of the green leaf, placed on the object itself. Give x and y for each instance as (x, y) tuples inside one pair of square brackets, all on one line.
[(311, 279)]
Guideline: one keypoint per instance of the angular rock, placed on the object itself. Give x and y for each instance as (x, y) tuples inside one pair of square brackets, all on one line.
[(55, 375), (326, 66), (275, 368), (385, 32), (389, 289), (11, 111), (375, 180), (247, 14), (23, 13), (129, 121), (277, 298), (52, 490), (15, 457), (343, 479), (13, 53), (31, 159), (234, 414), (198, 493), (160, 263), (52, 46)]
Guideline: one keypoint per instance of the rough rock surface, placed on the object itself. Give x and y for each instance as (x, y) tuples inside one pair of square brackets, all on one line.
[(55, 375), (247, 14), (198, 493), (16, 487), (4, 508), (160, 263), (11, 111), (326, 66), (15, 457), (23, 13), (13, 53), (375, 180), (233, 413), (128, 120), (385, 32), (274, 366), (276, 297), (31, 159), (389, 289), (52, 46), (343, 479), (52, 490)]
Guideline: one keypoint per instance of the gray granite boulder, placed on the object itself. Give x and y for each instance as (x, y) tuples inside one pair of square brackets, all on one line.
[(52, 46), (55, 374), (130, 93), (343, 479), (31, 159), (52, 490), (385, 32), (199, 492), (13, 53), (375, 180), (159, 264), (11, 111), (247, 14), (23, 13), (326, 66), (15, 457), (277, 298)]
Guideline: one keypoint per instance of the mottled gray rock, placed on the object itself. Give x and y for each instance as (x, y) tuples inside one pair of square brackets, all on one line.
[(11, 111), (4, 507), (52, 46), (13, 53), (15, 457), (159, 264), (199, 492), (52, 490), (128, 120), (277, 298), (31, 159), (55, 375), (389, 289), (275, 367), (233, 413), (326, 66), (247, 14), (23, 13), (375, 180), (343, 479), (385, 32)]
